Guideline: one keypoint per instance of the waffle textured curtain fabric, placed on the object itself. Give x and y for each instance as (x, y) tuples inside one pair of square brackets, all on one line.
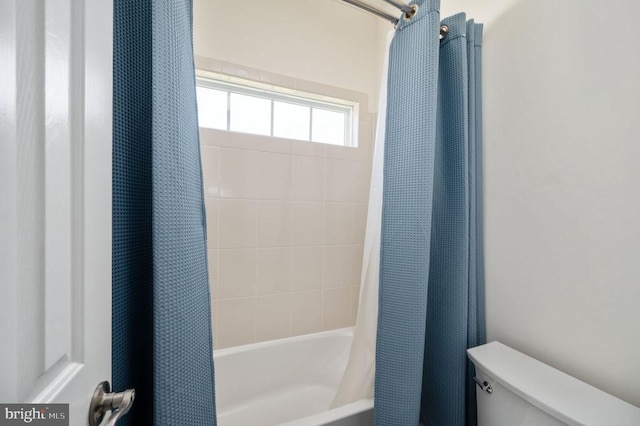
[(161, 305), (431, 297)]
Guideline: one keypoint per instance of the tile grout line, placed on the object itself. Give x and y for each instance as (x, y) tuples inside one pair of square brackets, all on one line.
[(255, 315), (289, 207), (219, 192)]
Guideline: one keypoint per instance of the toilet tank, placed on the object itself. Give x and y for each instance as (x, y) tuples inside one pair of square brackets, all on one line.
[(525, 392)]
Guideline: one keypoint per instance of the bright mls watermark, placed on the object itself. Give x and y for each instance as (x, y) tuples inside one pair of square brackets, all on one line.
[(36, 414)]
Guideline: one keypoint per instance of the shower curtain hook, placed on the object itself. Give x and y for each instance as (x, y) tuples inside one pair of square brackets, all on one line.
[(408, 15), (444, 31)]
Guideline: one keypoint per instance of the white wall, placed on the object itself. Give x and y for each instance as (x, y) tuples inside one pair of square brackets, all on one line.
[(562, 141), (325, 41)]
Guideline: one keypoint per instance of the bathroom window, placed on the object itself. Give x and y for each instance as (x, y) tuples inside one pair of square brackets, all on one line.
[(239, 105)]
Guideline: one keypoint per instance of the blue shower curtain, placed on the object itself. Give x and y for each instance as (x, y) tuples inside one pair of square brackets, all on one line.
[(431, 304), (161, 305)]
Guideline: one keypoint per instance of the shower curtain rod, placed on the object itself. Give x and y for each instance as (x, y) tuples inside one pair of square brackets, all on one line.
[(408, 11)]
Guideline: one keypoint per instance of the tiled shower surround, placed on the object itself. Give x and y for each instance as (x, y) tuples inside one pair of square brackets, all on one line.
[(286, 222)]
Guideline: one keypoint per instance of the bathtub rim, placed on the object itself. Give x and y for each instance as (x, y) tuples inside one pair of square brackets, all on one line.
[(333, 415)]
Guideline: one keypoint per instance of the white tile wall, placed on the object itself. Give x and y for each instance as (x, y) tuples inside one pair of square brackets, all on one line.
[(212, 206), (342, 264), (236, 322), (359, 222), (306, 308), (308, 178), (338, 223), (336, 305), (339, 180), (274, 223), (307, 223), (285, 228), (274, 270), (237, 273), (210, 168), (306, 268), (212, 261), (274, 317), (238, 223)]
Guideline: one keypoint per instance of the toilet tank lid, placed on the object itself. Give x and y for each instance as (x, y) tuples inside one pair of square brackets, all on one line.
[(558, 394)]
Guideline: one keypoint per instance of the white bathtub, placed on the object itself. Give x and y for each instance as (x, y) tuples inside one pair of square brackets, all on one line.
[(288, 382)]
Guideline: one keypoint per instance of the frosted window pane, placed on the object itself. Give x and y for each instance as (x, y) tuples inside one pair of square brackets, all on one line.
[(212, 108), (290, 121), (250, 114), (328, 127)]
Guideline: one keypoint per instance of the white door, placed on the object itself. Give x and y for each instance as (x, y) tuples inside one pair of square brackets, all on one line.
[(55, 201)]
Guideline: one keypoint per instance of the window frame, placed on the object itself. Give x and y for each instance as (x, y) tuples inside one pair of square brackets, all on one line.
[(231, 84)]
